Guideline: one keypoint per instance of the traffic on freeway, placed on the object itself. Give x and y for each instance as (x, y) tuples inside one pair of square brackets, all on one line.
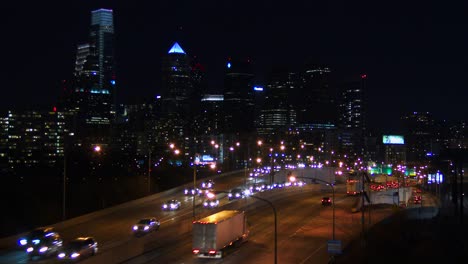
[(114, 231)]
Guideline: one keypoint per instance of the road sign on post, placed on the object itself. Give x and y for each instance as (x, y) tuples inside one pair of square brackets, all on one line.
[(334, 246)]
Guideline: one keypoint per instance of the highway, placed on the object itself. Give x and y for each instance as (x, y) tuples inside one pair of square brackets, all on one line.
[(304, 226)]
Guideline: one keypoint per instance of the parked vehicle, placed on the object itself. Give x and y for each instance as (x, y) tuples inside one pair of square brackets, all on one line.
[(213, 234)]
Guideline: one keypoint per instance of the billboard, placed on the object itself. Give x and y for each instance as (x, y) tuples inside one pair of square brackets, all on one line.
[(393, 139)]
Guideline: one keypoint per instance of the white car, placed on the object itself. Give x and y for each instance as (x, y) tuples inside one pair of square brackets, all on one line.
[(171, 205), (146, 225)]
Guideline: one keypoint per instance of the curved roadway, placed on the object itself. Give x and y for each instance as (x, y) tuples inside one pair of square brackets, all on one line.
[(304, 226)]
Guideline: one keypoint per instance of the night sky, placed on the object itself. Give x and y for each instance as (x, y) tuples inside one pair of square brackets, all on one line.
[(414, 54)]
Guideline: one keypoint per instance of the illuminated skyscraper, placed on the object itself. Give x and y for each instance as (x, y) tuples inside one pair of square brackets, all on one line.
[(177, 90), (93, 97), (102, 38), (278, 113), (353, 110), (353, 115), (176, 82), (420, 136)]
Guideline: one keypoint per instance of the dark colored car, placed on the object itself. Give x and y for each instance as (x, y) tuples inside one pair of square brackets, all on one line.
[(48, 246), (211, 203), (236, 193), (326, 201), (192, 191), (146, 225), (171, 205), (78, 248), (209, 184), (34, 237)]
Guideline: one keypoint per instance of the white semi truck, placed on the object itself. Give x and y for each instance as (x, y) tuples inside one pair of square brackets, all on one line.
[(215, 233)]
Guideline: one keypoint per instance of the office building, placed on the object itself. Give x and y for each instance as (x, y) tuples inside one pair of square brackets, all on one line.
[(239, 97), (352, 118), (420, 135), (278, 113), (93, 96)]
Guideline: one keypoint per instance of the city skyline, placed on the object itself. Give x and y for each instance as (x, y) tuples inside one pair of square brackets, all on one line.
[(409, 54)]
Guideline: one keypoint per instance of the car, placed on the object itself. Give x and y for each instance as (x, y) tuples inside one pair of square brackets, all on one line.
[(236, 193), (34, 237), (171, 205), (48, 246), (211, 203), (417, 199), (146, 225), (277, 185), (209, 184), (78, 248), (326, 201), (192, 191)]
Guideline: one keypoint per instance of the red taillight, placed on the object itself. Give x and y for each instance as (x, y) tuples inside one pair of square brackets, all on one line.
[(212, 252), (195, 251)]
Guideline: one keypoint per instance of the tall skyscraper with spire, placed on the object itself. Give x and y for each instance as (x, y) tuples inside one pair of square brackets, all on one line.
[(93, 97), (177, 94)]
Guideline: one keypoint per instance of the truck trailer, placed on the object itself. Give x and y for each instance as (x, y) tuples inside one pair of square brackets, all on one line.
[(353, 187), (213, 234)]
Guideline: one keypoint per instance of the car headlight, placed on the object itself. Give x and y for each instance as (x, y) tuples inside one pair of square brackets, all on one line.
[(135, 228), (146, 227), (30, 249), (36, 241), (75, 255), (23, 242), (165, 206), (61, 255), (205, 203), (230, 195), (43, 249)]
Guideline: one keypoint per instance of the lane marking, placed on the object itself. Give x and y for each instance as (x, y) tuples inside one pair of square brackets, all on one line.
[(313, 253)]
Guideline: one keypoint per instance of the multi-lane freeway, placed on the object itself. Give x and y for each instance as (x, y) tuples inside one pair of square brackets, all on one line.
[(304, 226)]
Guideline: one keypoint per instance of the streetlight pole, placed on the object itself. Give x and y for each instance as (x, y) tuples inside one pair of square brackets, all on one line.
[(64, 207), (293, 178), (194, 184), (194, 188), (274, 212), (275, 219), (149, 171)]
